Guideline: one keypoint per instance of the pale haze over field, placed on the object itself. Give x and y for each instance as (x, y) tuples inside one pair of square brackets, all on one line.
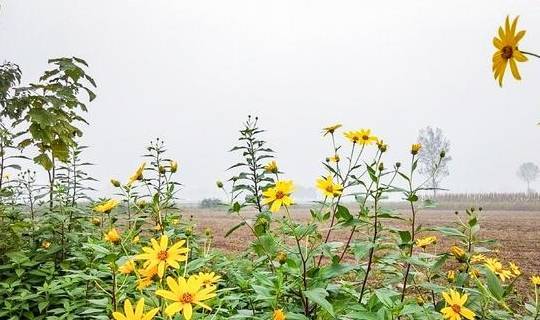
[(191, 71)]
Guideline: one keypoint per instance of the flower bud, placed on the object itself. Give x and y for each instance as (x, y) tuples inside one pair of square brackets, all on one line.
[(219, 184), (174, 166), (442, 154), (381, 166), (398, 164), (161, 169), (115, 183)]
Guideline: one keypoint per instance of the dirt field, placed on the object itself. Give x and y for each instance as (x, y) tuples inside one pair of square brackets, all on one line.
[(517, 232)]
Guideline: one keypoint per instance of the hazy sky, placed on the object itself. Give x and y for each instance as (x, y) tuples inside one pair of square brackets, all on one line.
[(191, 71)]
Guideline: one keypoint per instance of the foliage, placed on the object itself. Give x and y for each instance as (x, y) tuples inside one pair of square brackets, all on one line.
[(210, 203)]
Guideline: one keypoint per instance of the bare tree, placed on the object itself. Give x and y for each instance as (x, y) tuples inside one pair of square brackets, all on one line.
[(433, 157), (528, 172)]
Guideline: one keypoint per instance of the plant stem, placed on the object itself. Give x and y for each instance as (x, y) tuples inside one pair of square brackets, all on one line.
[(530, 54)]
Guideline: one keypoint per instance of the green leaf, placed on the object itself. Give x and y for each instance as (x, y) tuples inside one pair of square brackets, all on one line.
[(494, 286), (231, 230), (318, 295)]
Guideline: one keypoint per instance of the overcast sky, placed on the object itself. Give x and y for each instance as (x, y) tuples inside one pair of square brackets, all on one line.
[(191, 71)]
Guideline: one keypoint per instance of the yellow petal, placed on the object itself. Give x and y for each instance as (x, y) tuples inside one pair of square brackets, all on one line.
[(467, 313), (173, 308), (139, 309), (128, 309), (519, 36), (514, 68), (119, 316), (187, 311), (497, 43)]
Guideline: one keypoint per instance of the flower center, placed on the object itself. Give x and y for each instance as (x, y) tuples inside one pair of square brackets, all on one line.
[(280, 195), (456, 308), (187, 298), (365, 137), (330, 189), (162, 255), (507, 52)]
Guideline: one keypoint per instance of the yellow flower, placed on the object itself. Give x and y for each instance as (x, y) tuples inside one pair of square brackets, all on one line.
[(535, 280), (128, 267), (515, 269), (208, 278), (281, 257), (45, 244), (279, 195), (112, 236), (278, 315), (478, 258), (184, 294), (451, 276), (415, 147), (174, 166), (331, 129), (455, 308), (135, 240), (507, 50), (271, 167), (96, 221), (362, 136), (497, 268), (457, 252), (474, 273), (147, 277), (135, 314), (328, 187), (161, 256), (107, 206), (424, 242), (137, 175), (334, 158)]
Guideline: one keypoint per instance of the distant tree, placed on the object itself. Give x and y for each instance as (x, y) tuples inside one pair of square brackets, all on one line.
[(433, 157), (210, 203), (528, 172)]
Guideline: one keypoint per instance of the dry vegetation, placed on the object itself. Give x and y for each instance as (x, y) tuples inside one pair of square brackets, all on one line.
[(517, 232)]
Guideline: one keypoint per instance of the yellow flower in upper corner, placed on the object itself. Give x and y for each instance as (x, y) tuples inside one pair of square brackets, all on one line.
[(415, 148), (478, 258), (362, 136), (185, 294), (455, 308), (137, 175), (279, 195), (331, 129), (161, 256), (278, 315), (507, 51), (107, 206), (135, 314), (424, 242), (174, 166), (535, 280), (128, 267), (208, 278), (271, 167), (112, 236), (515, 269), (328, 187), (497, 268)]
